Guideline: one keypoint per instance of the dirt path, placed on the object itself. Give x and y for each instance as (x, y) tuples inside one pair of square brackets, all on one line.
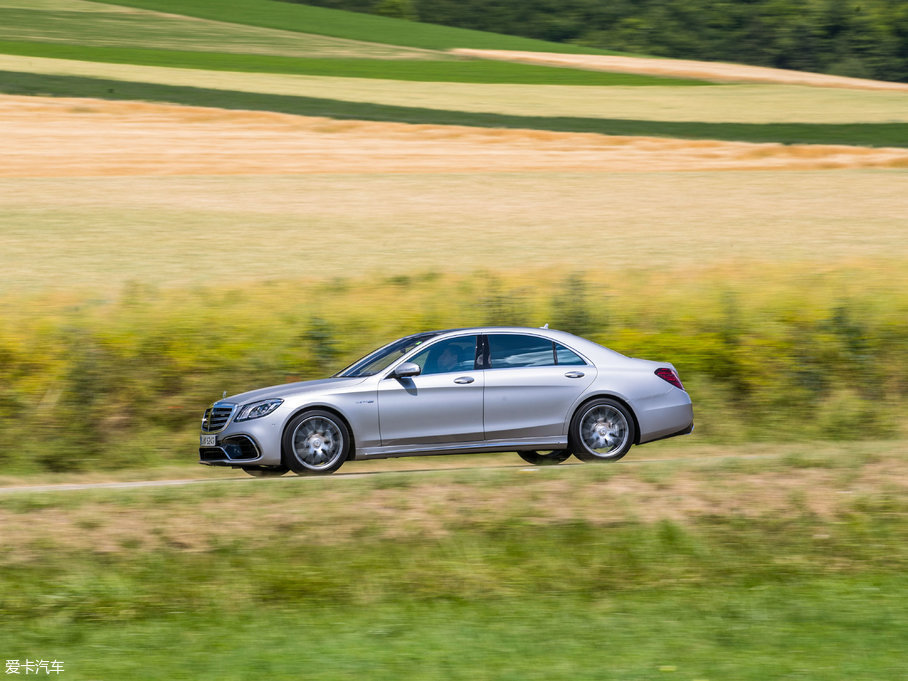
[(684, 68), (352, 470), (59, 137)]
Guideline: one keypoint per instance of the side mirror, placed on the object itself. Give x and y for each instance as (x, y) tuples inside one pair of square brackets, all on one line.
[(406, 370)]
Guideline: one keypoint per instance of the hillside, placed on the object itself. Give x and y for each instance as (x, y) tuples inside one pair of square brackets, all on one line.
[(864, 40), (79, 48)]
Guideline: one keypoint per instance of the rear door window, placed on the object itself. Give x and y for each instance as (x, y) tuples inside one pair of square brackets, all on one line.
[(507, 351)]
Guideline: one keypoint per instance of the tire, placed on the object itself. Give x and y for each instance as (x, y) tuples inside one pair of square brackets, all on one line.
[(265, 471), (316, 443), (602, 430), (546, 458)]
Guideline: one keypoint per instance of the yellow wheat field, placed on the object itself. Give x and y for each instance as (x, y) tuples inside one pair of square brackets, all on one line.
[(94, 194), (380, 201)]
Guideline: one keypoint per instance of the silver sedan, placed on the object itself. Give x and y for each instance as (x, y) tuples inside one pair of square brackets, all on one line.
[(542, 393)]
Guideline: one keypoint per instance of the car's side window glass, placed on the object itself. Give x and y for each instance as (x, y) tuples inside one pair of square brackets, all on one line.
[(454, 354), (513, 350), (566, 356)]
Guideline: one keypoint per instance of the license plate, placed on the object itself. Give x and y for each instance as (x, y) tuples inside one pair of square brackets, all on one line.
[(207, 440)]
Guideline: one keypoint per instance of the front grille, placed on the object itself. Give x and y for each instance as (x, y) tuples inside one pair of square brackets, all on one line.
[(216, 417)]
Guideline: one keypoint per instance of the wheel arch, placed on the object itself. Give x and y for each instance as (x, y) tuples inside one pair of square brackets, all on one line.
[(612, 396), (321, 407)]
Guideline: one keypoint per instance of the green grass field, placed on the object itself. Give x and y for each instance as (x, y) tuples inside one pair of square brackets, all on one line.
[(76, 23), (455, 71), (786, 567), (318, 20), (251, 25)]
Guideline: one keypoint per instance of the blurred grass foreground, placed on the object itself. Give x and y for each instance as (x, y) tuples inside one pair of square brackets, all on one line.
[(768, 353), (787, 567)]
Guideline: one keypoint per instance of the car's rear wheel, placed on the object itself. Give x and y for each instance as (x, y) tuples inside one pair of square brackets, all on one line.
[(602, 430), (549, 458), (265, 471), (316, 443)]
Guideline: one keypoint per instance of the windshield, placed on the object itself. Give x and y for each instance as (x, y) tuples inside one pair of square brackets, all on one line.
[(384, 357)]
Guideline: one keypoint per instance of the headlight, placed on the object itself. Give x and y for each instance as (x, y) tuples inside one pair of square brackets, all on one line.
[(256, 410)]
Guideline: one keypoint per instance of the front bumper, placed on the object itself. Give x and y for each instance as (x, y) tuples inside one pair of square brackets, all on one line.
[(254, 442), (235, 448)]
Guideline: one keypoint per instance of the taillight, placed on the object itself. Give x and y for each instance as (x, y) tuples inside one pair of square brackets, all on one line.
[(670, 376)]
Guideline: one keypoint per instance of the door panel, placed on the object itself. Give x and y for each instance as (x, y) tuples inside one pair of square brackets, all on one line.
[(531, 401), (431, 409), (528, 391), (442, 404)]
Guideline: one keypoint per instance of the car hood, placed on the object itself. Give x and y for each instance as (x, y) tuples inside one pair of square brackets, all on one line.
[(292, 389)]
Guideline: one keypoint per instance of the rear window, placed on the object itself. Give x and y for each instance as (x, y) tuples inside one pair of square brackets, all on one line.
[(566, 356)]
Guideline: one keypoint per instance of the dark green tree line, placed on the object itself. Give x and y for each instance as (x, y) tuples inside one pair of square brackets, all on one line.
[(861, 38)]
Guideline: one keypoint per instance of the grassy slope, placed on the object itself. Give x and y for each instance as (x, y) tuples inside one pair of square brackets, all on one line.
[(863, 134), (462, 71), (75, 23), (580, 572), (327, 21), (354, 26)]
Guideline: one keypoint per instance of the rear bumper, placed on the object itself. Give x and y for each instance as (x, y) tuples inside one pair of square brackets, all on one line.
[(670, 418), (684, 431)]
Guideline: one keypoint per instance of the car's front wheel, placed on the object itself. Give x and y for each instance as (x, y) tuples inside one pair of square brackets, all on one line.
[(602, 430), (316, 443), (546, 458)]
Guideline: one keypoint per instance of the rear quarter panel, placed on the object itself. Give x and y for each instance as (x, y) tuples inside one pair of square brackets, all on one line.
[(659, 408)]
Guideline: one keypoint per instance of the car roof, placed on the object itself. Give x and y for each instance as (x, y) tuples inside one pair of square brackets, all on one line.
[(582, 345), (535, 330)]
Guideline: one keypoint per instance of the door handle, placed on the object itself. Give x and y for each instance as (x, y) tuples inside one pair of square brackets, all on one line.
[(574, 374), (464, 379)]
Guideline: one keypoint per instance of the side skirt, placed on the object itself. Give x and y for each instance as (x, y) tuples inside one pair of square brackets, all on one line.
[(522, 444)]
